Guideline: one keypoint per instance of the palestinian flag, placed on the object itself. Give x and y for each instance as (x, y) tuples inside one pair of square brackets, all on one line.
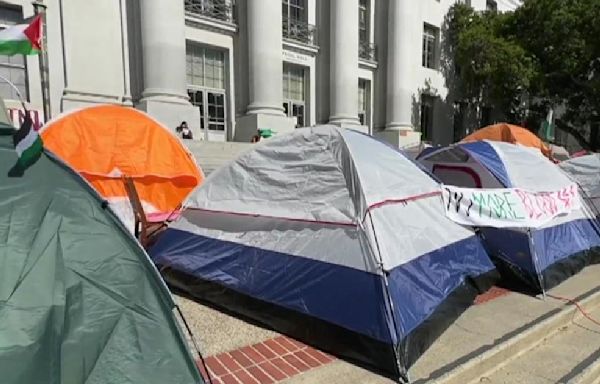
[(28, 143), (547, 127), (22, 39)]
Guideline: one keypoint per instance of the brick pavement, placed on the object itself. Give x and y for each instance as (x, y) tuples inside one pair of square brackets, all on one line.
[(279, 358)]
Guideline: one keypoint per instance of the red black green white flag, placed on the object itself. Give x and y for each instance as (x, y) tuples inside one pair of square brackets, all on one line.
[(28, 143), (22, 39)]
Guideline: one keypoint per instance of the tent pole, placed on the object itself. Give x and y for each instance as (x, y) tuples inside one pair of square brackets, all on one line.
[(536, 262), (404, 376), (138, 211), (40, 9), (209, 378)]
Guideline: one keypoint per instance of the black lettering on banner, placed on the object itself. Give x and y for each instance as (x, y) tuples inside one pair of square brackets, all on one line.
[(469, 208), (458, 200)]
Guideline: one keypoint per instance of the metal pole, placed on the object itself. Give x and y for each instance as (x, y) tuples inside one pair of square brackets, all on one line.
[(40, 9)]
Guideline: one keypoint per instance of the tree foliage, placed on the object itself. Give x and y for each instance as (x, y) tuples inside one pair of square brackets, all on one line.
[(492, 69), (547, 52)]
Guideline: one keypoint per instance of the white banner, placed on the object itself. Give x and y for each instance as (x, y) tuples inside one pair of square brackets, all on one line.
[(510, 207)]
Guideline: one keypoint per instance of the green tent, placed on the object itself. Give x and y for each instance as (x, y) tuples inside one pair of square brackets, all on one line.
[(80, 302)]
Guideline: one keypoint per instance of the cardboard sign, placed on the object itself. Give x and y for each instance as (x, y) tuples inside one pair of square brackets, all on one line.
[(510, 207)]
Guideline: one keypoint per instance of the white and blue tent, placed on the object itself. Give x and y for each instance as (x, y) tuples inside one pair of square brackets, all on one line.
[(332, 237), (540, 257)]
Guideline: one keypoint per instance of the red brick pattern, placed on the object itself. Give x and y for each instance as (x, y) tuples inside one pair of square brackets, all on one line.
[(493, 293), (268, 362), (276, 359)]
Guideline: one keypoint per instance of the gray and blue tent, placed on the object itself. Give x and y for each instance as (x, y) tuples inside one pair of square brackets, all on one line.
[(585, 171), (332, 237), (80, 301), (539, 257)]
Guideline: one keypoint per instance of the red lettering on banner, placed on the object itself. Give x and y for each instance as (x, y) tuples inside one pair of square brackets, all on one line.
[(526, 200), (550, 204), (543, 203), (540, 203), (563, 196), (567, 196)]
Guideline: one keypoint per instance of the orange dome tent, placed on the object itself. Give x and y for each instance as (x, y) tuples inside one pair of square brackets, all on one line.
[(509, 133), (104, 143)]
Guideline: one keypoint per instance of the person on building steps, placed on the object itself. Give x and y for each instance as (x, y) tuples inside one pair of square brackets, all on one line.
[(185, 132), (261, 134), (255, 138)]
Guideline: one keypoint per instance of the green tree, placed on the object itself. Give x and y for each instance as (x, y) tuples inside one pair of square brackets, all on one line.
[(546, 52), (491, 69), (564, 38)]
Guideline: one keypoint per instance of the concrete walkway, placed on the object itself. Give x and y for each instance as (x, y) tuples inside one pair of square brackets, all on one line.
[(482, 346), (489, 335), (558, 358)]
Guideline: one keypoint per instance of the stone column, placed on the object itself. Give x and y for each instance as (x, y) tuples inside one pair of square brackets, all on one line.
[(265, 65), (265, 72), (163, 44), (402, 63), (344, 62)]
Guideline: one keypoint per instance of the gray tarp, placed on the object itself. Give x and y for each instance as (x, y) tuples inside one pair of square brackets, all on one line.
[(585, 171)]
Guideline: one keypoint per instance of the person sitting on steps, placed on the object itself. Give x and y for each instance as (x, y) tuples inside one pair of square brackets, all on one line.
[(255, 138), (185, 131)]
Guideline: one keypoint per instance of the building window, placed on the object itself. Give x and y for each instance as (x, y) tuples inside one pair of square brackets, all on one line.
[(12, 68), (205, 67), (205, 71), (363, 21), (427, 106), (295, 25), (363, 101), (491, 5), (294, 93), (214, 9), (366, 49), (430, 43), (293, 10)]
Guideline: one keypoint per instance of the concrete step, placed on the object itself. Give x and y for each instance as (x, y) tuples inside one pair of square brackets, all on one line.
[(212, 155), (521, 324), (589, 375), (558, 358)]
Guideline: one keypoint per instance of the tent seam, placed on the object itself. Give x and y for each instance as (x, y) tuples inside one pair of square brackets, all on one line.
[(387, 294)]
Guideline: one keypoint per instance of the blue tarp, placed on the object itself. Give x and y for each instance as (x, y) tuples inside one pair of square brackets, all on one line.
[(344, 296), (487, 156)]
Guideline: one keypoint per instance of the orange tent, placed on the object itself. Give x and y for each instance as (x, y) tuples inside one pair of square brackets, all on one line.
[(509, 133), (105, 142)]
